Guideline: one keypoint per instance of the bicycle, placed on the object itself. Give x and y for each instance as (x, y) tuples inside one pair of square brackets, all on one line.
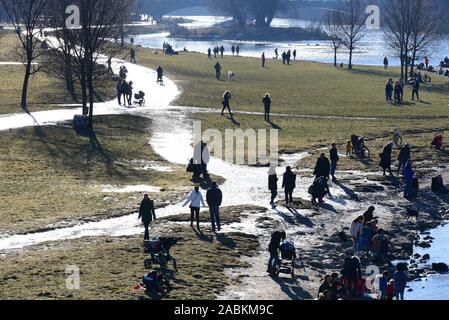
[(397, 139)]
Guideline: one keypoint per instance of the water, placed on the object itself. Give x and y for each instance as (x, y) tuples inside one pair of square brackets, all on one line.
[(371, 51), (434, 287)]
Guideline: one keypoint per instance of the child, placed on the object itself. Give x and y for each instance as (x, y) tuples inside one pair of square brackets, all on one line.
[(390, 290), (383, 284), (348, 149)]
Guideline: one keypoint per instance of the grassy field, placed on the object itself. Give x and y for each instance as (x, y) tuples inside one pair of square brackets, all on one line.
[(50, 174), (44, 91), (324, 104), (110, 267)]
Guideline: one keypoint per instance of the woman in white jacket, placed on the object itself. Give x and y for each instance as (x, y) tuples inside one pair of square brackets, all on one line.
[(356, 231), (195, 199)]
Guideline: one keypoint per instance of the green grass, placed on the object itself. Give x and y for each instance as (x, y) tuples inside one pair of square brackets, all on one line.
[(110, 267), (44, 92), (312, 90), (50, 174)]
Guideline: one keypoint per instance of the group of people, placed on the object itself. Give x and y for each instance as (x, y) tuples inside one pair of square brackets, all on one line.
[(220, 51), (167, 48), (286, 55), (394, 91)]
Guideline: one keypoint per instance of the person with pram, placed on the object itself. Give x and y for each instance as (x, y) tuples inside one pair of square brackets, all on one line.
[(273, 248), (160, 75), (358, 145)]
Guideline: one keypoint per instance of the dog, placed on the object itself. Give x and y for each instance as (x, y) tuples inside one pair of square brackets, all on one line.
[(231, 75), (411, 213)]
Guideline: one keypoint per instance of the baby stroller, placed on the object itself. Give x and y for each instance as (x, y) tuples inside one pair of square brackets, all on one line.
[(159, 251), (359, 148), (140, 98), (152, 281), (286, 263)]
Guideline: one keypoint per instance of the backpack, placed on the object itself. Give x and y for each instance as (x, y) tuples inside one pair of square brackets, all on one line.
[(288, 251)]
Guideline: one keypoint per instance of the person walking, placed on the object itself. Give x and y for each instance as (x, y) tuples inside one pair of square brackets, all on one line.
[(119, 91), (267, 106), (233, 50), (385, 63), (273, 184), (237, 50), (273, 248), (334, 160), (385, 158), (160, 75), (294, 54), (289, 185), (133, 56), (403, 157), (409, 175), (109, 63), (218, 70), (214, 198), (276, 53), (209, 53), (416, 85), (222, 50), (322, 167), (147, 214), (226, 103), (263, 60), (426, 62), (196, 200)]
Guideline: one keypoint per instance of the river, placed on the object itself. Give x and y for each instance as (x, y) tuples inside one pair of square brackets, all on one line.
[(371, 50)]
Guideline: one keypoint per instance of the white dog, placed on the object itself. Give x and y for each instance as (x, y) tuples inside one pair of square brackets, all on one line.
[(231, 75)]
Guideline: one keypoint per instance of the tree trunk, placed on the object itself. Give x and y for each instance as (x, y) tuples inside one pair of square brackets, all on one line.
[(335, 56), (26, 81), (350, 58)]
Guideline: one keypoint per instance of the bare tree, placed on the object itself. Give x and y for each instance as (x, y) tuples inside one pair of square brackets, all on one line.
[(334, 32), (26, 18), (100, 22), (411, 27), (425, 29), (351, 19)]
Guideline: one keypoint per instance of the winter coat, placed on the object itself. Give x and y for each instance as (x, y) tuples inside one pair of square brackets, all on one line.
[(273, 182), (214, 197), (266, 101), (385, 157), (146, 211), (195, 199), (404, 155), (400, 280), (334, 155), (289, 181), (408, 172), (322, 168)]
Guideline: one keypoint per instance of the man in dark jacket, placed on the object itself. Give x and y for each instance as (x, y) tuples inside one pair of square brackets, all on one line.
[(267, 106), (322, 167), (289, 184), (217, 70), (147, 214), (403, 157), (334, 160), (214, 197)]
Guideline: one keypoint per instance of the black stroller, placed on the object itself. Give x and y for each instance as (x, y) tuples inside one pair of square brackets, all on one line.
[(154, 282), (140, 98), (287, 262), (159, 251)]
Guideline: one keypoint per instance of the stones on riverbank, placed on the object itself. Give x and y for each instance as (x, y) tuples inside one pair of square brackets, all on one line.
[(440, 267)]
